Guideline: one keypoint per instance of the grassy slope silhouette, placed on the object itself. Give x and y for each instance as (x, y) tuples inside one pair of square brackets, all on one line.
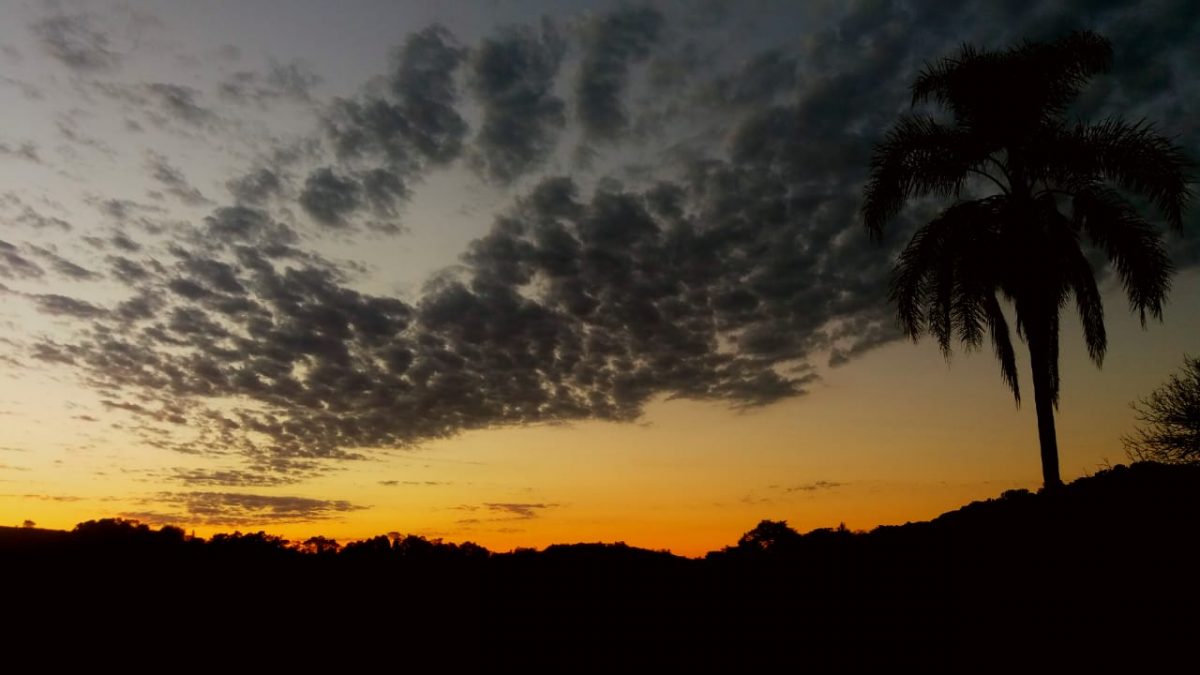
[(1097, 570)]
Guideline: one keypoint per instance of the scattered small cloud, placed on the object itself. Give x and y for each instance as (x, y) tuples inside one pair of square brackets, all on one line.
[(814, 486), (293, 81), (517, 510), (76, 41), (64, 267), (173, 181), (29, 90), (237, 509), (15, 266), (27, 150), (61, 305), (231, 478)]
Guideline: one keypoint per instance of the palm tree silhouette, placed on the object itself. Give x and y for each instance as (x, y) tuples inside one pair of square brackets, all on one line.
[(1027, 185)]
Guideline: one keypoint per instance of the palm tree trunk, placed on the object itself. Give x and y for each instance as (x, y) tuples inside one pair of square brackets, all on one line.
[(1043, 400)]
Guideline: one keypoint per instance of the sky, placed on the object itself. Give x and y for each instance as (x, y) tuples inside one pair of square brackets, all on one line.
[(515, 272)]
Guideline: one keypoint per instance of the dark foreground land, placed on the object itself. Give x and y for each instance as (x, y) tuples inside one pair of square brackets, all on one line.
[(1103, 574)]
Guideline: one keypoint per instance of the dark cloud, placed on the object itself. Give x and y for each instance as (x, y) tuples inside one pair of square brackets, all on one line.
[(519, 511), (423, 81), (612, 44), (61, 305), (862, 334), (415, 119), (141, 307), (231, 509), (330, 198), (128, 271), (126, 210), (513, 76), (298, 319), (30, 217), (173, 180), (162, 103), (384, 191), (292, 81), (179, 103), (255, 187), (762, 80), (71, 133), (369, 127), (15, 266), (232, 225), (636, 297), (75, 41), (391, 137), (63, 266), (48, 351), (123, 242)]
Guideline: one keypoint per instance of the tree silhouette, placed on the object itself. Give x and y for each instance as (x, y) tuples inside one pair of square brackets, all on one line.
[(769, 536), (1170, 420), (1027, 184), (318, 545)]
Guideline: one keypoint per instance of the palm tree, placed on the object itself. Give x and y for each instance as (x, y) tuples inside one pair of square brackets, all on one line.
[(1027, 185)]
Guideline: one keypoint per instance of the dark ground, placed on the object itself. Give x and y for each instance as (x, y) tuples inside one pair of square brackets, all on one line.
[(1103, 574)]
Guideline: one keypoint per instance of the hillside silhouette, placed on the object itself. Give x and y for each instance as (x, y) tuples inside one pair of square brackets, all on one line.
[(1098, 571)]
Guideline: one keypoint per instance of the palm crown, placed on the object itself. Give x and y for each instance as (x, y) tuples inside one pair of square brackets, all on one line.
[(1041, 184)]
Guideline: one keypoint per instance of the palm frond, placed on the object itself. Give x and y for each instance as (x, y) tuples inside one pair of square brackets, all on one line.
[(1131, 154), (917, 157), (1002, 342), (1012, 91), (1066, 65), (973, 247), (1134, 247), (967, 312), (943, 274), (937, 80), (1082, 281)]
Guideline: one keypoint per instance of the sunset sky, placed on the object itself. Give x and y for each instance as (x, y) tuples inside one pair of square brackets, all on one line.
[(514, 272)]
